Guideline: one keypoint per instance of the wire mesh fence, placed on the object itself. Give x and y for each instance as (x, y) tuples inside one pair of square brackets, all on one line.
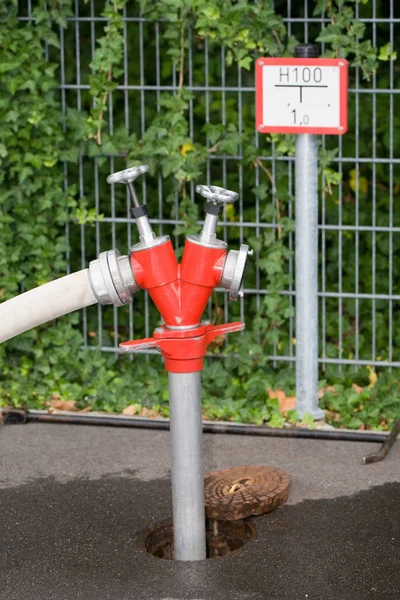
[(359, 225)]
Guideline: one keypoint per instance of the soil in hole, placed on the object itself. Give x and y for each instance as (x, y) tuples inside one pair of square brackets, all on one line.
[(223, 538)]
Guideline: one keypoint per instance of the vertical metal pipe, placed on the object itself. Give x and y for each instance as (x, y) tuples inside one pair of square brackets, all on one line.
[(307, 276), (187, 466)]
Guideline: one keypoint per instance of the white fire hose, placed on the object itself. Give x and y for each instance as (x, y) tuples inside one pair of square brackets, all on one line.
[(45, 303)]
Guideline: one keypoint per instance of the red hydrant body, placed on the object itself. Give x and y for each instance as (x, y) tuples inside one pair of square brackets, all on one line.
[(180, 293)]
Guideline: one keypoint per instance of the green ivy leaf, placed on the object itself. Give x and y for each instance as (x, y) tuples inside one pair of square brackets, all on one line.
[(386, 53)]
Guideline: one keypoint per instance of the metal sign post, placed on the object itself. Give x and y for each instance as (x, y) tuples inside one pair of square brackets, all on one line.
[(305, 95)]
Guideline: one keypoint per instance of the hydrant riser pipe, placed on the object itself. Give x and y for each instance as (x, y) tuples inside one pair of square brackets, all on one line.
[(307, 276), (187, 472)]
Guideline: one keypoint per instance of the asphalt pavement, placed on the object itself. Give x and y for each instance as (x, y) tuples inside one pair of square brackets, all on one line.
[(76, 502)]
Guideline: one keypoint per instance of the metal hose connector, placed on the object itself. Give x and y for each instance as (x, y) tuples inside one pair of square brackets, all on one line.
[(112, 279)]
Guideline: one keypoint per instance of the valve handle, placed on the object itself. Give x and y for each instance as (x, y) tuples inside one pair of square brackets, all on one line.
[(216, 194), (128, 175)]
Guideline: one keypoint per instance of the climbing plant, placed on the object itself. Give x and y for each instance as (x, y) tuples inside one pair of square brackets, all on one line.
[(38, 143)]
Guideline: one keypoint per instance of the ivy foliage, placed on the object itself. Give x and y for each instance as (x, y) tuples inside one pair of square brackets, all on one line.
[(35, 205), (345, 35), (183, 130), (33, 202), (106, 66)]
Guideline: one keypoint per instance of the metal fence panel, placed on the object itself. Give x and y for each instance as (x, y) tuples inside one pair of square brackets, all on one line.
[(372, 299)]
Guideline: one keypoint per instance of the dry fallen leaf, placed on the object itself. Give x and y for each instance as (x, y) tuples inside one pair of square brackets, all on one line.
[(357, 388), (150, 413), (60, 404), (132, 409), (217, 341), (285, 402), (323, 391), (334, 416)]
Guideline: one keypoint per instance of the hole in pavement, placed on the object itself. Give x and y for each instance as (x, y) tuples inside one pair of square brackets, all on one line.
[(237, 486), (223, 538)]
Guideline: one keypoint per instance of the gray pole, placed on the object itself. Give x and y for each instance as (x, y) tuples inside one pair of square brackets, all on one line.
[(307, 265), (187, 466), (307, 276)]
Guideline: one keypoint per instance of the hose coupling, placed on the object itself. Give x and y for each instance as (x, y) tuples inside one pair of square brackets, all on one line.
[(233, 271), (111, 278)]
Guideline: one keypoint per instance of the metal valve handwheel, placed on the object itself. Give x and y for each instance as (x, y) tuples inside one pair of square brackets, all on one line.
[(217, 194), (128, 175)]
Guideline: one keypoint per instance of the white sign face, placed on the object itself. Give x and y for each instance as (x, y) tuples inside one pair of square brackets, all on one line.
[(301, 95)]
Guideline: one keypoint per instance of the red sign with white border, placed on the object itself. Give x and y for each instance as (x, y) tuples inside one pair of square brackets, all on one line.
[(301, 95)]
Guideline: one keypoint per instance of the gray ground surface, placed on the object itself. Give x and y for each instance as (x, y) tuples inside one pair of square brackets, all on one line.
[(75, 502)]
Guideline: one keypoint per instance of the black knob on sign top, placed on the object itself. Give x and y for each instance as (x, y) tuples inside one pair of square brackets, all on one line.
[(306, 51)]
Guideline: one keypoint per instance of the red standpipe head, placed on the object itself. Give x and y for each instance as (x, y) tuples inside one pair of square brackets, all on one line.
[(181, 292)]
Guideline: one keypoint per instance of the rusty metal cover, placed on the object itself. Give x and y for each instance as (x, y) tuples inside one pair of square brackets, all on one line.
[(239, 492)]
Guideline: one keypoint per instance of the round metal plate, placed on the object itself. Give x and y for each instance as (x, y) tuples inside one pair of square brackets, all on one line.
[(239, 492)]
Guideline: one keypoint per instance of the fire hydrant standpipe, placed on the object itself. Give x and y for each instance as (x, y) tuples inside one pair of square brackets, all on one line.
[(180, 293)]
